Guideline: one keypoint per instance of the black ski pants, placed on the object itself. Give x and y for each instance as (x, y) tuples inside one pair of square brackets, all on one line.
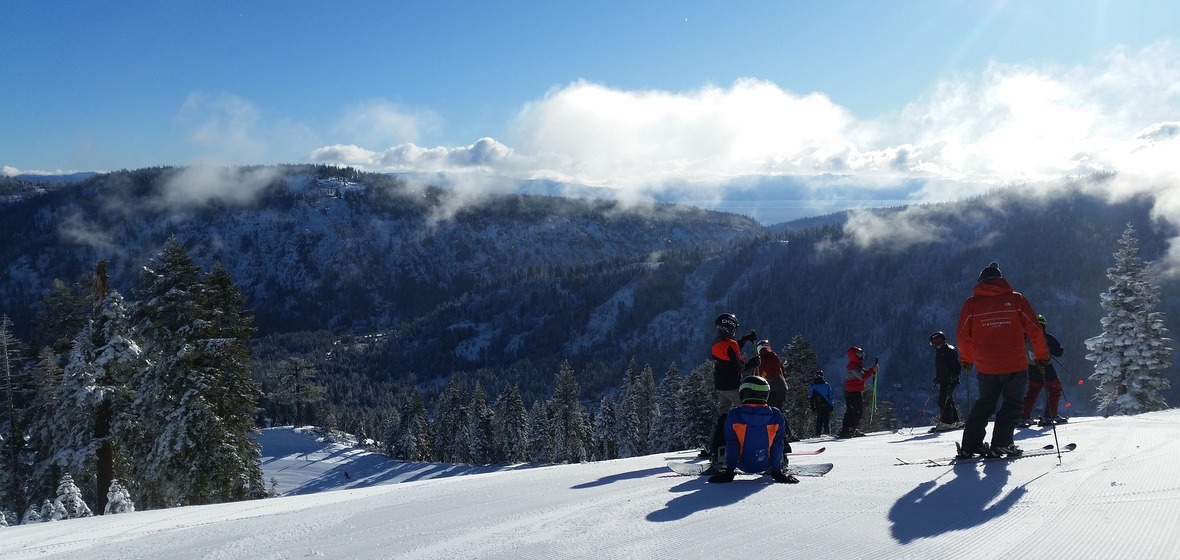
[(946, 397), (1006, 388)]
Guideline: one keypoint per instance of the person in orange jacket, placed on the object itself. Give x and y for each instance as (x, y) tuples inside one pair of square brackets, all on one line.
[(994, 324), (854, 388)]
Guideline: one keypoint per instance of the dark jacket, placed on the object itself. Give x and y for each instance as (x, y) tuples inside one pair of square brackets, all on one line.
[(1055, 350), (754, 438), (728, 367), (946, 365)]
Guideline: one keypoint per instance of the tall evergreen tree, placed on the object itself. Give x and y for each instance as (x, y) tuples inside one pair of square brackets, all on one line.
[(12, 429), (639, 410), (568, 418), (700, 404), (40, 412), (607, 427), (512, 432), (801, 364), (452, 422), (196, 401), (1133, 352), (482, 449), (93, 420), (415, 441), (670, 433), (542, 432), (297, 387)]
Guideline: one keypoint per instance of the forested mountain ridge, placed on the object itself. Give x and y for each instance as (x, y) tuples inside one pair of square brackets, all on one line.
[(381, 284)]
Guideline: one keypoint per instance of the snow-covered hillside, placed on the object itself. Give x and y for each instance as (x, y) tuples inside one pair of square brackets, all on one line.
[(1115, 497)]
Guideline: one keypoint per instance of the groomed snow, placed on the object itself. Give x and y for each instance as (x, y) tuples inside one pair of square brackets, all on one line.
[(1117, 496)]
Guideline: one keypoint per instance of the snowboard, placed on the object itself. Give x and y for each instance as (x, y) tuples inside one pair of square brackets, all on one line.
[(694, 469), (792, 454)]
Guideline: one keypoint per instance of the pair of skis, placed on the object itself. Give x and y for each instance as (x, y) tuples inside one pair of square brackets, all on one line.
[(948, 461)]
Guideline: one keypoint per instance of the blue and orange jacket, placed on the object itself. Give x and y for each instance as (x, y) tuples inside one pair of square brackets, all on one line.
[(754, 438)]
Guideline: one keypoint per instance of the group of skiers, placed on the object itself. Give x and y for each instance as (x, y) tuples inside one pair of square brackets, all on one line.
[(994, 325)]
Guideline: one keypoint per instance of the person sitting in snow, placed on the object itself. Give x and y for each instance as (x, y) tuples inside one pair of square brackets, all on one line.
[(754, 436)]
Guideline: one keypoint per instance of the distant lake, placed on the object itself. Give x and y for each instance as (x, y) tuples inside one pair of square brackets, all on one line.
[(770, 212)]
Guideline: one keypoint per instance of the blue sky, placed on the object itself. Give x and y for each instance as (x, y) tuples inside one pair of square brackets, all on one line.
[(946, 96)]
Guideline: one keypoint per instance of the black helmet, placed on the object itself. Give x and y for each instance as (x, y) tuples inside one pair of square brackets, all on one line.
[(727, 323), (934, 335), (754, 389), (819, 376)]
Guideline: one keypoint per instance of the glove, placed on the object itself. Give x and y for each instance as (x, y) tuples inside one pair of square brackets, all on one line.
[(782, 478), (1041, 366), (787, 446), (723, 476), (966, 366), (750, 337), (752, 364)]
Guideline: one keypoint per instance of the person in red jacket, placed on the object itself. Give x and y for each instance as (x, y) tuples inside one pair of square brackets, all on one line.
[(994, 324), (770, 368), (854, 388)]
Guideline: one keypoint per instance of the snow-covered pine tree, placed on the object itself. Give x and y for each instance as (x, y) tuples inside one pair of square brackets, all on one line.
[(92, 426), (40, 410), (415, 441), (69, 503), (1133, 351), (542, 432), (195, 402), (452, 422), (482, 448), (606, 426), (568, 417), (670, 433), (118, 499), (801, 364), (512, 427), (639, 410), (12, 428), (699, 399)]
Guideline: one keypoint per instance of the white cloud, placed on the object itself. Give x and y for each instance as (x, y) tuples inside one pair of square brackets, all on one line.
[(232, 130), (381, 123), (1033, 126)]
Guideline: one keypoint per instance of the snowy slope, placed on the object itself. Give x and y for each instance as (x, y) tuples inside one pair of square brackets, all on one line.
[(1115, 497)]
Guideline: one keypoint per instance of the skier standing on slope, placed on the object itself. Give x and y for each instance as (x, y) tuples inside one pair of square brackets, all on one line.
[(854, 387), (754, 436), (946, 376), (728, 369), (1047, 379), (770, 368), (993, 326), (819, 395)]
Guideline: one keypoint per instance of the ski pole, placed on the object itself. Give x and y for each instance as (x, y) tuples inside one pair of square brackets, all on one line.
[(1075, 378), (1056, 444), (923, 410)]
